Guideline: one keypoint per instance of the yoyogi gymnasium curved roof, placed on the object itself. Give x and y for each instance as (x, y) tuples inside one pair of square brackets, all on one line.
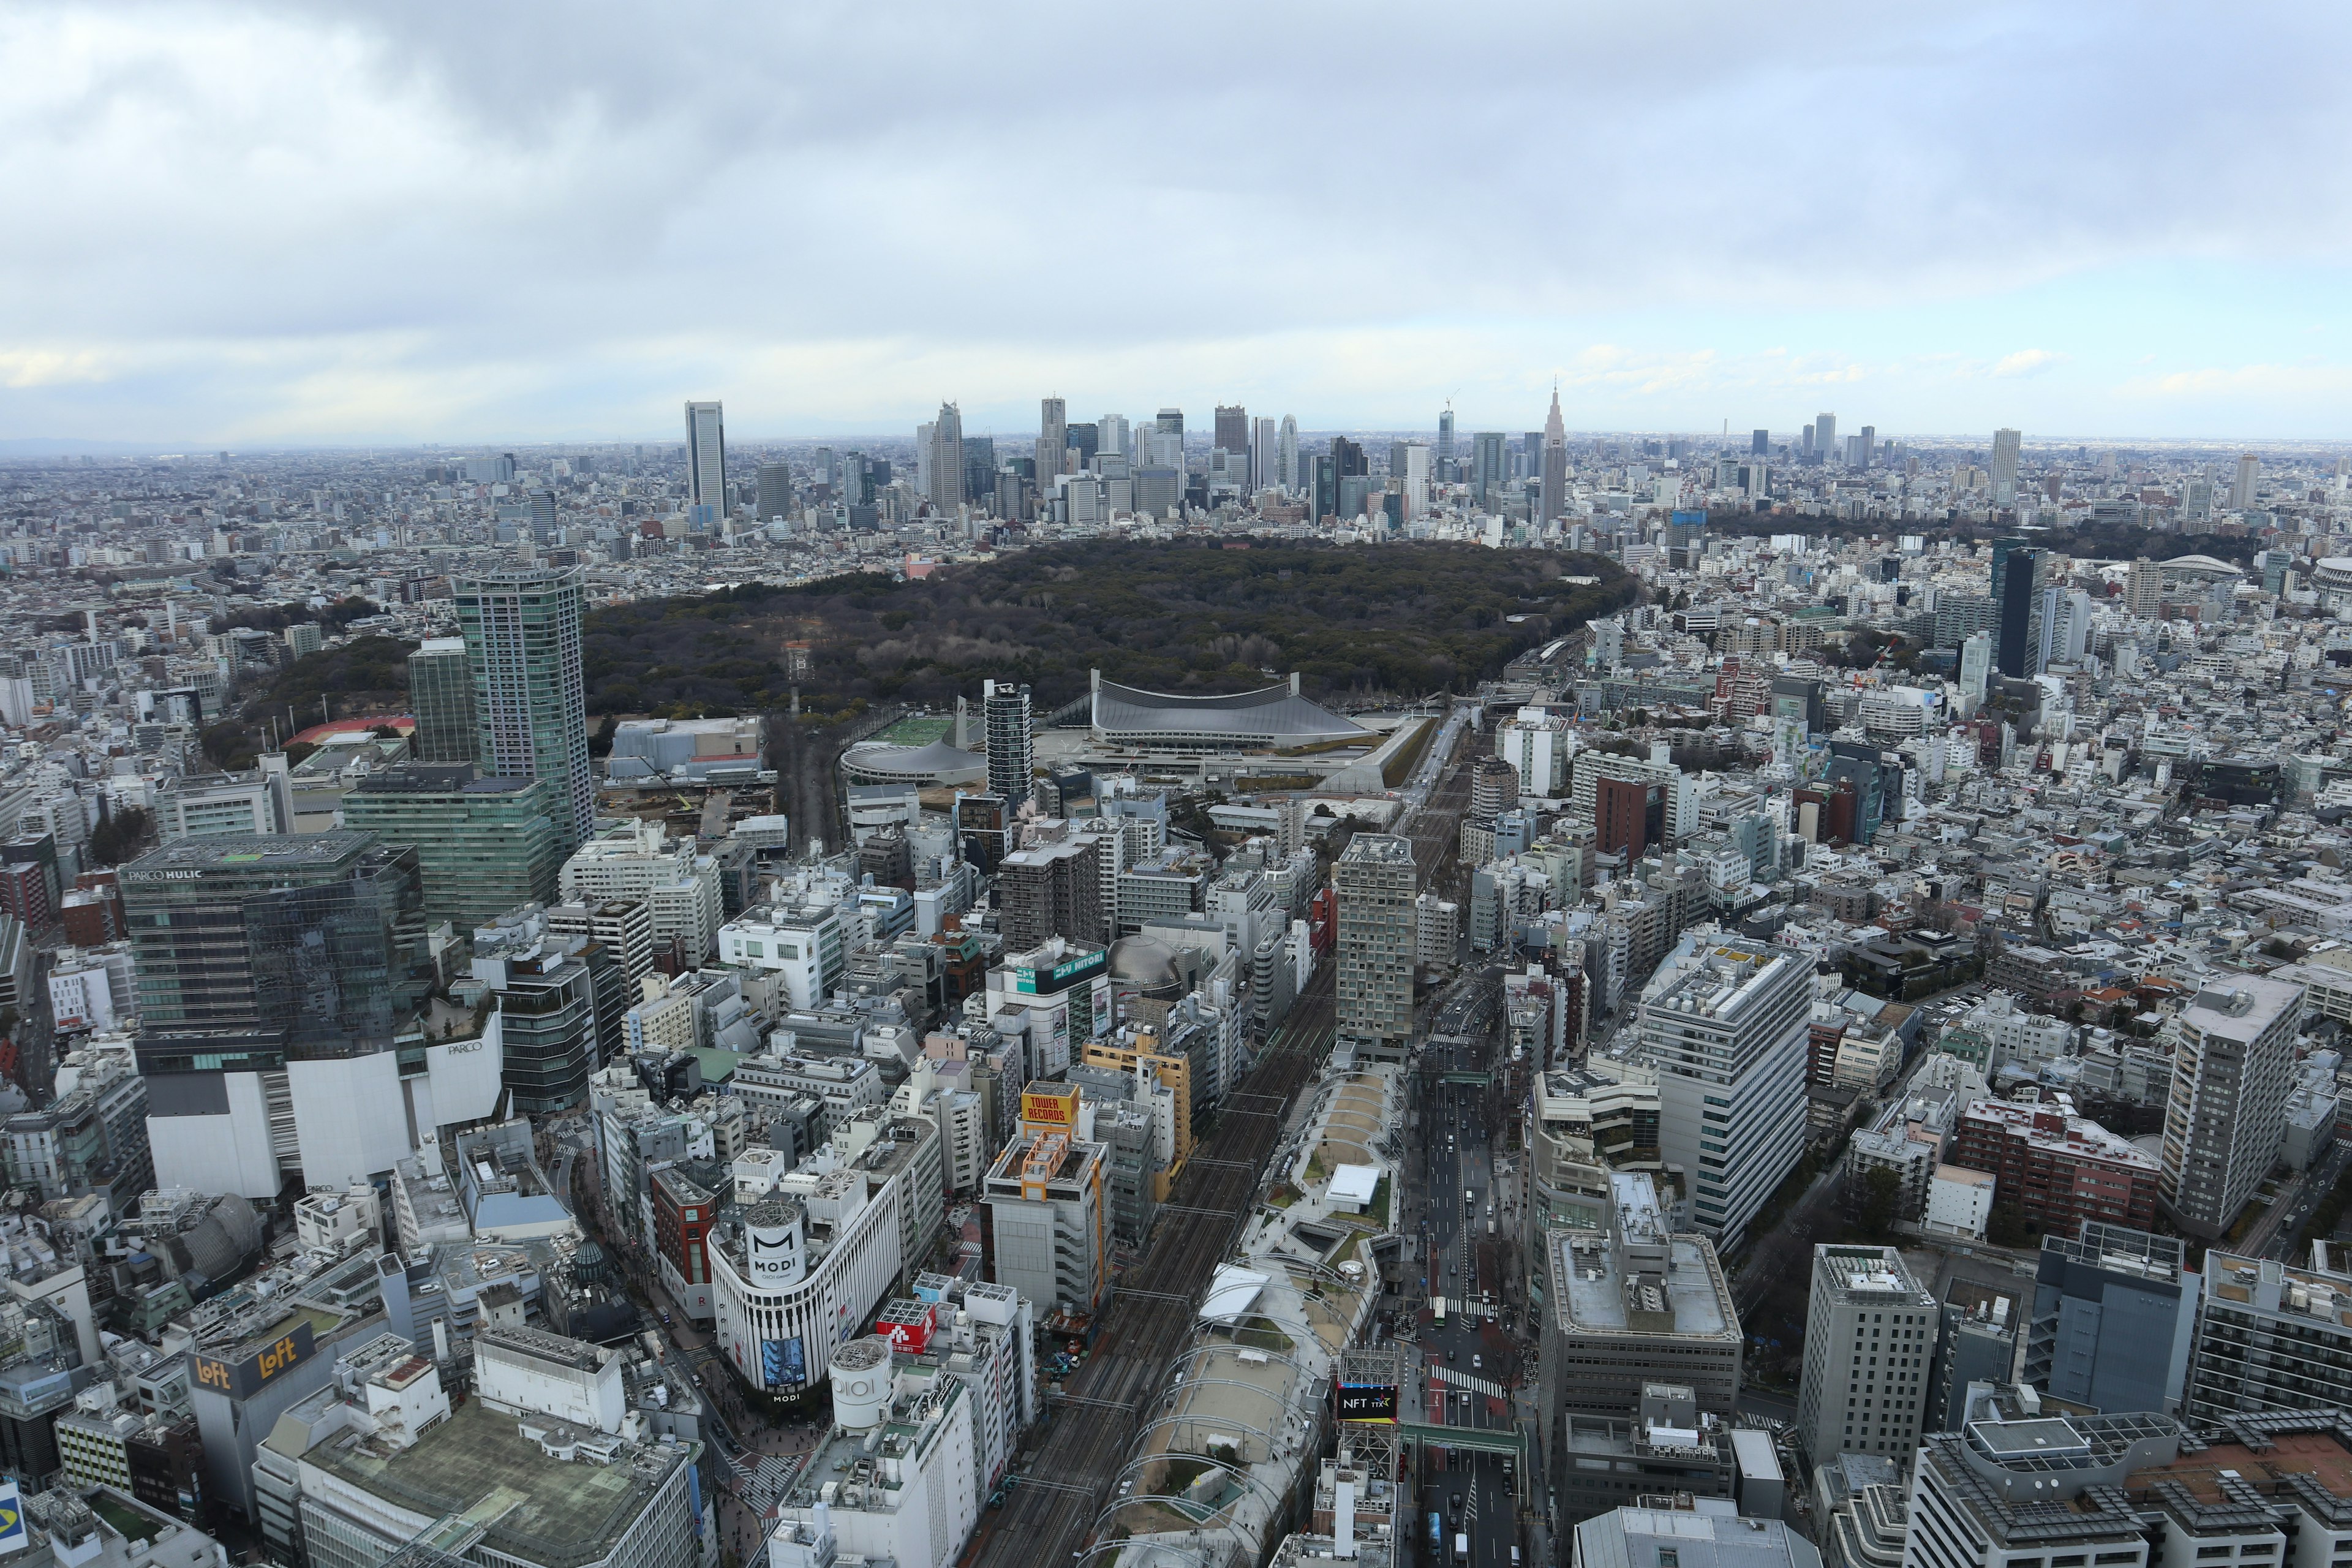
[(1270, 716)]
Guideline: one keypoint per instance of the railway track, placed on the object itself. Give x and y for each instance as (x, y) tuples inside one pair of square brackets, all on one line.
[(1050, 1512)]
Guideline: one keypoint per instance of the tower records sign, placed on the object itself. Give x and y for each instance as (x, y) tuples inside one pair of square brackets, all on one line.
[(243, 1379)]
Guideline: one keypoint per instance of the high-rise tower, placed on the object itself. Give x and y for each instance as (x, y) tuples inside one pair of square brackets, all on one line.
[(1232, 428), (705, 459), (1011, 755), (2004, 466), (522, 639), (2241, 489), (1553, 495), (1286, 469), (1053, 442), (441, 695), (947, 458), (1445, 445)]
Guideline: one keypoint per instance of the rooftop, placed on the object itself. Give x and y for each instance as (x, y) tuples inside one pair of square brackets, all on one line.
[(479, 1463)]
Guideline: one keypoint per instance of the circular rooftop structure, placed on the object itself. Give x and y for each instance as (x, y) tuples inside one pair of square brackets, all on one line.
[(1145, 964), (2333, 572), (936, 765)]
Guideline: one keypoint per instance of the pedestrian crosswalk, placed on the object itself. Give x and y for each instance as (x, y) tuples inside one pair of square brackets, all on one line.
[(764, 1479), (1484, 1385)]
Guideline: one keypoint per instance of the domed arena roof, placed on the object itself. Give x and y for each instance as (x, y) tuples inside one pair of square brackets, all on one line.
[(937, 764)]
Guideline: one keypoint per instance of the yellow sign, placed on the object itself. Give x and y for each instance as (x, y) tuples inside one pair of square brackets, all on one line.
[(1049, 1108)]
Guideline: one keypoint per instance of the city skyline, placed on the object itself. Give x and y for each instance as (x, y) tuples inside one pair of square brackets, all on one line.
[(255, 227)]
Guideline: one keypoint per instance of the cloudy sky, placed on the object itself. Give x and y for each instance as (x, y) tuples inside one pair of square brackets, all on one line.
[(291, 224)]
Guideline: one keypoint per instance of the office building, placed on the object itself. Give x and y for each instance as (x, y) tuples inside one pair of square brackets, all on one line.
[(1724, 1023), (1871, 1337), (2242, 488), (276, 976), (559, 1004), (894, 1480), (807, 946), (1053, 442), (2225, 1117), (1710, 1534), (705, 463), (548, 1466), (772, 492), (1981, 1326), (1011, 757), (1049, 1228), (625, 926), (1287, 452), (2020, 576), (944, 473), (639, 862), (1552, 487), (1490, 467), (441, 697), (2004, 466), (1445, 474), (257, 802), (522, 640), (1671, 1448), (1231, 430), (1631, 1304), (92, 1138), (2021, 1481), (2115, 1318), (1588, 1123), (483, 846), (1375, 881)]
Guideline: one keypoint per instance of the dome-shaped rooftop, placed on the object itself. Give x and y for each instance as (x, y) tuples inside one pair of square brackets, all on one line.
[(1141, 961)]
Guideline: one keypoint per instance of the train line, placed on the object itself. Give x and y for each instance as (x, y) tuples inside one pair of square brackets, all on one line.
[(1150, 1318)]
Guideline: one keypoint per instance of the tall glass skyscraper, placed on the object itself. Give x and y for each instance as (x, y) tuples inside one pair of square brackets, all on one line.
[(706, 460), (483, 846), (522, 639), (441, 695)]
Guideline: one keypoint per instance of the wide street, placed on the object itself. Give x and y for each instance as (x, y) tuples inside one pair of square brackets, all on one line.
[(1459, 1226)]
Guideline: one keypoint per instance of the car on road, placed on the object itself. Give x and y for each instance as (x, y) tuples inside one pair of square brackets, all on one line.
[(1476, 1361), (1449, 1352), (1454, 1501)]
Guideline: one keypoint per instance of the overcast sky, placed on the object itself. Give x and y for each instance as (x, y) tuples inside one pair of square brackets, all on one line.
[(293, 224)]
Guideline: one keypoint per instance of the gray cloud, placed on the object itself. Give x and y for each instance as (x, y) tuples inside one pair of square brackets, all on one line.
[(435, 220)]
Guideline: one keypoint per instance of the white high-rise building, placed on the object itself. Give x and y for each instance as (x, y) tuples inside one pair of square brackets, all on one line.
[(1723, 1021), (1825, 436), (2241, 489), (705, 456), (2004, 466), (946, 490), (2232, 1069), (1287, 473), (1541, 745)]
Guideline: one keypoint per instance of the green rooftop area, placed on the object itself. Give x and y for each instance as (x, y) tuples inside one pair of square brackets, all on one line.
[(478, 1464), (917, 730), (123, 1519)]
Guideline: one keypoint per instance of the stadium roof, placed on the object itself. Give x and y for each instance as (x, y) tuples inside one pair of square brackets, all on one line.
[(1270, 716), (937, 763)]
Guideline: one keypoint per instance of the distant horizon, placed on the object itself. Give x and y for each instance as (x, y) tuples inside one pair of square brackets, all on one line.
[(27, 449)]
